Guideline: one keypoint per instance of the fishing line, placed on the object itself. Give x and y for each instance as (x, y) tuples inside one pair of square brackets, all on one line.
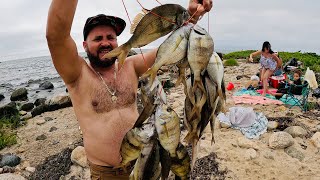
[(144, 60), (159, 2)]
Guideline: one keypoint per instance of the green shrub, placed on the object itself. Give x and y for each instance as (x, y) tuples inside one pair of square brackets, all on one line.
[(238, 54), (231, 62), (7, 126)]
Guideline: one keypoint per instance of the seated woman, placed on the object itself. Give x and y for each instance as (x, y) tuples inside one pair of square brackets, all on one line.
[(268, 61), (294, 89)]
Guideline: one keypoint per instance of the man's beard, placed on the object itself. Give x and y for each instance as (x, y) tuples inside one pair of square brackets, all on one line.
[(96, 61)]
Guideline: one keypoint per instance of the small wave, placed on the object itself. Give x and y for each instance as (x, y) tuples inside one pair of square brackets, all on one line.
[(33, 81)]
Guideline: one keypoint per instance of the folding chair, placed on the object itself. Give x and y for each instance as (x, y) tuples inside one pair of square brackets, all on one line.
[(299, 100)]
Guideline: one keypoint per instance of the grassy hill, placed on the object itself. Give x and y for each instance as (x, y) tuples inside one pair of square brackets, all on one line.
[(311, 60)]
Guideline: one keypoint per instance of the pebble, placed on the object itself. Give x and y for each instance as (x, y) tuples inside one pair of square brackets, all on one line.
[(296, 131), (250, 154), (280, 140), (318, 128), (26, 117), (30, 169), (294, 153), (316, 139), (40, 122), (246, 143), (22, 113), (272, 125), (48, 119), (41, 137), (53, 129)]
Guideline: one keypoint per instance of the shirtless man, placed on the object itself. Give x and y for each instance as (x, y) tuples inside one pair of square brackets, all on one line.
[(103, 98)]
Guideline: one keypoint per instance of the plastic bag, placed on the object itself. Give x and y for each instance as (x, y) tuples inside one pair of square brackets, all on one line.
[(310, 77)]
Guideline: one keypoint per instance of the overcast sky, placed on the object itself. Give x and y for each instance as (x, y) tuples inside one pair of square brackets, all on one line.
[(289, 25)]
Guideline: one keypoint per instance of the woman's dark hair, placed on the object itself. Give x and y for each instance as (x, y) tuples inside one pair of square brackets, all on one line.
[(297, 71), (267, 45)]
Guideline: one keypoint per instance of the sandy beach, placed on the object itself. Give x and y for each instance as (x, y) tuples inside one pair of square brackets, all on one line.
[(237, 157)]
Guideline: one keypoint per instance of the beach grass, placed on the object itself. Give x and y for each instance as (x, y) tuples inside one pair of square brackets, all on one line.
[(311, 60), (7, 127), (231, 62)]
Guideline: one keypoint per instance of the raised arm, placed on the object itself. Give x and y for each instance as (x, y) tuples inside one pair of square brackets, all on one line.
[(257, 53), (143, 63), (62, 47)]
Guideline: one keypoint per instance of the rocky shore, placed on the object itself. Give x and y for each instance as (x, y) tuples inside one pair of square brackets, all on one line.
[(50, 143)]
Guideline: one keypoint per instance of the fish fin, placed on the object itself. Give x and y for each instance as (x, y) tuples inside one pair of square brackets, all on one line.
[(152, 73), (121, 52), (137, 19), (181, 78)]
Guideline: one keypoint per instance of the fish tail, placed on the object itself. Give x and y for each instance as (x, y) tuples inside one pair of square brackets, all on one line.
[(212, 122), (120, 52), (220, 93), (194, 151)]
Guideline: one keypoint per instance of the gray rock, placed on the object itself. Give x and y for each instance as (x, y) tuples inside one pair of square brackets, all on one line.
[(296, 131), (39, 110), (20, 94), (48, 119), (40, 101), (40, 122), (10, 176), (46, 85), (318, 128), (294, 153), (1, 97), (41, 137), (272, 125), (280, 140), (53, 129), (27, 106), (58, 102), (9, 160), (30, 169)]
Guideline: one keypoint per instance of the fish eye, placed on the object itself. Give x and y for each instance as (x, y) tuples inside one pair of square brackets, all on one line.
[(169, 109)]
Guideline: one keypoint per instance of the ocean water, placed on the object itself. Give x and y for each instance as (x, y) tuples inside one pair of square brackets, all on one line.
[(29, 73)]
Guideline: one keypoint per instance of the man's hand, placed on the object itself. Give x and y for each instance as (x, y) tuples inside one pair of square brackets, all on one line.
[(199, 8)]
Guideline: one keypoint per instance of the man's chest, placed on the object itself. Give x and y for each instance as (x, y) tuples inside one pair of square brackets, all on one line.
[(106, 96)]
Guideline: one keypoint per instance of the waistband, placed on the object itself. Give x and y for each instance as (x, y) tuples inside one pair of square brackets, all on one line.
[(111, 170)]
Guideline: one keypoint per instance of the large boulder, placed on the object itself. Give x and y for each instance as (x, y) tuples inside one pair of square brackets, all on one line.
[(1, 97), (78, 156), (8, 110), (39, 110), (46, 85), (40, 101), (9, 160), (280, 140), (296, 131), (20, 94), (58, 102), (27, 106)]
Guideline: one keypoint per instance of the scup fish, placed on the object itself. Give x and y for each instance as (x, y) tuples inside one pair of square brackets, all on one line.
[(134, 141), (150, 97), (200, 49), (171, 51), (167, 125), (180, 165), (148, 27), (213, 100), (147, 166), (215, 70)]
